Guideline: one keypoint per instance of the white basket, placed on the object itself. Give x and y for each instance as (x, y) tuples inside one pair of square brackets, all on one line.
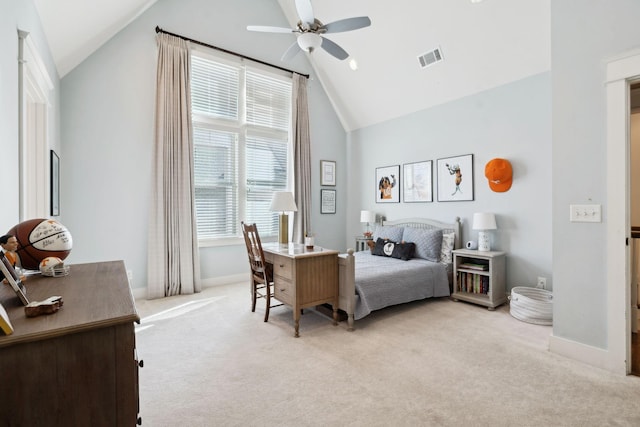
[(532, 305)]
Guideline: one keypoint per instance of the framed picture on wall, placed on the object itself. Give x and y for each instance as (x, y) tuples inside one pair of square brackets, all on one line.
[(327, 172), (417, 183), (13, 279), (455, 178), (327, 201), (388, 184)]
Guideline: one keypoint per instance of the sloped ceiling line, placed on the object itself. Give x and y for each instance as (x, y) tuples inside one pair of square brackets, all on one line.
[(389, 82)]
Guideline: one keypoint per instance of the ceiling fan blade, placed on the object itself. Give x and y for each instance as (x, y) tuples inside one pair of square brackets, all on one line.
[(333, 49), (347, 24), (305, 12), (267, 29), (291, 51)]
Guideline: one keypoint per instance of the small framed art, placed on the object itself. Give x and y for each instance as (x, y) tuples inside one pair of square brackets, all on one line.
[(327, 172), (388, 184), (327, 201), (417, 182), (14, 280), (455, 178)]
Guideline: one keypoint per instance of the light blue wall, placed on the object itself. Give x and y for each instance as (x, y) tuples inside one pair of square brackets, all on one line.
[(108, 122), (583, 38), (104, 109), (513, 122), (14, 15)]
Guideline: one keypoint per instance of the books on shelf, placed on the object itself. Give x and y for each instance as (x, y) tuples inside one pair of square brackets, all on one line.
[(474, 266), (473, 283)]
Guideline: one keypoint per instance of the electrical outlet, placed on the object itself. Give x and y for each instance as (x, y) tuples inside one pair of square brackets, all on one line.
[(542, 283)]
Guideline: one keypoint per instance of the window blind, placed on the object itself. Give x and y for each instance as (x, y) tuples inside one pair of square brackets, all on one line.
[(215, 88), (241, 121)]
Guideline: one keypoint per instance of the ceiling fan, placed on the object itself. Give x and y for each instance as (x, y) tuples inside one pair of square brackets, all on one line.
[(311, 32)]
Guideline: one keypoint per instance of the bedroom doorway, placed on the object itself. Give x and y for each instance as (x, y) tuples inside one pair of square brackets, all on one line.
[(623, 71), (634, 189)]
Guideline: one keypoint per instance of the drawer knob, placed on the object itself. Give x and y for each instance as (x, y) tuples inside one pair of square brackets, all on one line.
[(281, 265)]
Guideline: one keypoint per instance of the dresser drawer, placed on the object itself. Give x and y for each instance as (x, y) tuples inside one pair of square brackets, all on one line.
[(284, 290), (283, 267)]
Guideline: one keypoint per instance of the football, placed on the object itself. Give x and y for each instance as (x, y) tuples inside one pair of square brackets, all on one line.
[(41, 238)]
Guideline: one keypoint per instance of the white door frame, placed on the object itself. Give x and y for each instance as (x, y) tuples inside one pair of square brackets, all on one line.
[(620, 71), (33, 104)]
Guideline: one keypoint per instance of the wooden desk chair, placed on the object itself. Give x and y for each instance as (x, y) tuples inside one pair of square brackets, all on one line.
[(261, 271)]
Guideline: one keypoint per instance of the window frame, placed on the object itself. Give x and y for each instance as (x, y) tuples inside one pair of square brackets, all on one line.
[(241, 128)]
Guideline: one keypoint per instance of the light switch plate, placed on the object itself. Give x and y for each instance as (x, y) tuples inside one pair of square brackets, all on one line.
[(585, 213)]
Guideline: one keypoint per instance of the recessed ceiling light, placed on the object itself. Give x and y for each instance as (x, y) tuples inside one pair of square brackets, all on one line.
[(353, 64), (476, 1)]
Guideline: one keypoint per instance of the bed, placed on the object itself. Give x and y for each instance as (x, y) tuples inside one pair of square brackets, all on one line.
[(371, 282)]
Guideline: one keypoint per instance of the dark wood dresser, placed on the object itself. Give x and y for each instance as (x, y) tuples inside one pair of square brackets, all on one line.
[(76, 367)]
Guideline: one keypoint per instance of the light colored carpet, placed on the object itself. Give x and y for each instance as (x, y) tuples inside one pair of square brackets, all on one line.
[(209, 361)]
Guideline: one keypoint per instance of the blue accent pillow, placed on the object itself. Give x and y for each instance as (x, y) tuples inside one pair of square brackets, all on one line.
[(428, 242), (388, 232)]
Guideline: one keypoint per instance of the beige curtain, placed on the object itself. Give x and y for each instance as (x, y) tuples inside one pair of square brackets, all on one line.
[(173, 263), (302, 159)]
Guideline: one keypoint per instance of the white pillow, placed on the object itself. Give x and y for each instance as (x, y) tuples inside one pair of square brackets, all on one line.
[(448, 242)]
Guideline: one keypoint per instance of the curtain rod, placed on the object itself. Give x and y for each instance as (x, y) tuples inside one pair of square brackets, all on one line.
[(160, 30)]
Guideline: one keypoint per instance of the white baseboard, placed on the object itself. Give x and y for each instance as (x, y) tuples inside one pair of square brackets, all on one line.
[(593, 356), (141, 293), (225, 280)]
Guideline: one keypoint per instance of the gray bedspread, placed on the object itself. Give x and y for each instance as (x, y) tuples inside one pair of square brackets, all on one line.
[(383, 282)]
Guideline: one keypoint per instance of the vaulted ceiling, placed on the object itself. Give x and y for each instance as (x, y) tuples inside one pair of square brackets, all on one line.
[(484, 44)]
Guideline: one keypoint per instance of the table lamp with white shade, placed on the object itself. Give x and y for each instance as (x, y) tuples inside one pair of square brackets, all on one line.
[(368, 217), (283, 202), (483, 221)]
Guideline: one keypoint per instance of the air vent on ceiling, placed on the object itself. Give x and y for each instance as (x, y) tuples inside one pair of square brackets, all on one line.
[(430, 58)]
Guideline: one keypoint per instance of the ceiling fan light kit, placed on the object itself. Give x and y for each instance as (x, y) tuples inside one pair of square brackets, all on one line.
[(309, 41), (311, 32)]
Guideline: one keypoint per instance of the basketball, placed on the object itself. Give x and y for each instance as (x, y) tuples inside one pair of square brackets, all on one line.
[(41, 238)]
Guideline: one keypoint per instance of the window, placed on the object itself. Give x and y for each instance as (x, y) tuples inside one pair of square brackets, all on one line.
[(242, 154)]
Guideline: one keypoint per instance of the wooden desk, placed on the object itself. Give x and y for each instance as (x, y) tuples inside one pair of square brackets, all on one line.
[(303, 277), (76, 366)]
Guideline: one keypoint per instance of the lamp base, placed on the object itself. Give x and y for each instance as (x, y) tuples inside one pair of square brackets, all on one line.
[(483, 241), (283, 232)]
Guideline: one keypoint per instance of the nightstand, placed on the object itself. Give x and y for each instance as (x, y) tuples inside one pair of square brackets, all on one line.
[(479, 277), (362, 243)]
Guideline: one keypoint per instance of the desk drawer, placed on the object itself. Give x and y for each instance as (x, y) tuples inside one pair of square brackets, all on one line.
[(283, 267), (284, 290)]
